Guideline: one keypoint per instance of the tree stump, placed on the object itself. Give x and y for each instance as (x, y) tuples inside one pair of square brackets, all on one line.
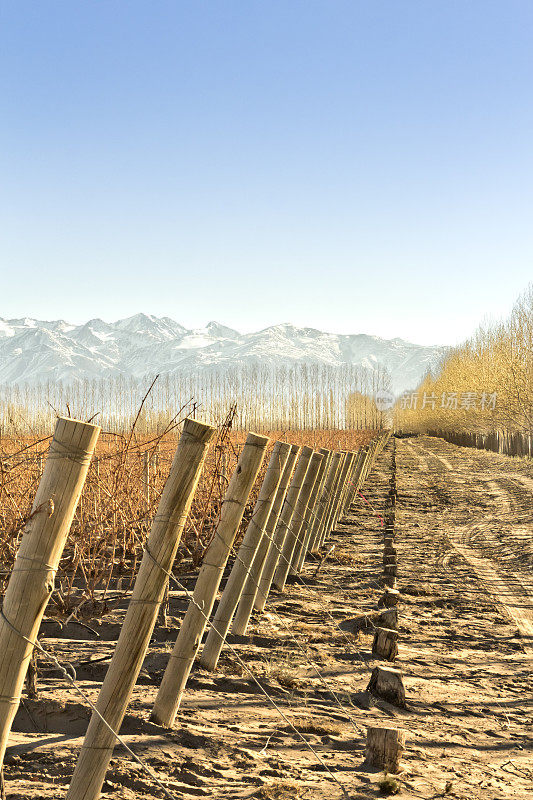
[(388, 619), (389, 558), (388, 541), (390, 598), (385, 643), (387, 683), (389, 550), (384, 748), (390, 569), (389, 581)]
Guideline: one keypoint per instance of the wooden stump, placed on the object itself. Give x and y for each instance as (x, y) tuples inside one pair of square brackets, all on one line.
[(388, 541), (384, 748), (390, 598), (389, 619), (385, 643), (387, 683), (390, 569), (389, 581)]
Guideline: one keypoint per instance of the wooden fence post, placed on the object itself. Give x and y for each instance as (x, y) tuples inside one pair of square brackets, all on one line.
[(32, 580), (325, 500), (141, 616), (326, 527), (300, 551), (251, 587), (344, 483), (370, 460), (293, 532), (245, 556), (384, 748), (363, 469), (280, 533), (355, 479), (196, 618), (349, 484)]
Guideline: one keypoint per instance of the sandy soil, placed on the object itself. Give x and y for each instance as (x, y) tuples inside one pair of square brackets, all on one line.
[(463, 530)]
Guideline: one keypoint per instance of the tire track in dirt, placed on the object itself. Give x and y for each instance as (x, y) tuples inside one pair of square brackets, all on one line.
[(512, 591)]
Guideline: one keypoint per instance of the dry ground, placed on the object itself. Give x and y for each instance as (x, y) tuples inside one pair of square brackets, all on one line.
[(464, 538)]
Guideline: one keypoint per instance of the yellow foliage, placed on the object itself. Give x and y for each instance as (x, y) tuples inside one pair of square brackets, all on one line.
[(485, 384)]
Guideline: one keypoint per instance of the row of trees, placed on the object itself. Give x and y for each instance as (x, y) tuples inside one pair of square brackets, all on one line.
[(484, 385), (299, 397)]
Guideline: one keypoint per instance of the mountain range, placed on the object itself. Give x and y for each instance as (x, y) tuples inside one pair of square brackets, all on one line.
[(34, 351)]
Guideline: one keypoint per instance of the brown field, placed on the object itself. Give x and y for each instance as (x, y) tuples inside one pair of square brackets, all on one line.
[(463, 526), (119, 500)]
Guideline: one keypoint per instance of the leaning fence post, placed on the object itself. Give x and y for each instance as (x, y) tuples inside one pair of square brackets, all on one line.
[(325, 500), (32, 580), (141, 616), (341, 491), (349, 483), (350, 457), (335, 497), (363, 469), (293, 533), (326, 527), (196, 618), (370, 460), (251, 587), (245, 556), (317, 507), (300, 551), (280, 532), (354, 482)]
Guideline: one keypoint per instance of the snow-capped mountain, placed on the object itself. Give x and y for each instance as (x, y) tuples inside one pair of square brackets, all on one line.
[(33, 351)]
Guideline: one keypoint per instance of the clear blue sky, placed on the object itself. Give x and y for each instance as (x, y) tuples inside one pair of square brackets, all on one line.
[(351, 166)]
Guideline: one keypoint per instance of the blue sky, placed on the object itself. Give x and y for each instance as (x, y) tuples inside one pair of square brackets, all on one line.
[(351, 166)]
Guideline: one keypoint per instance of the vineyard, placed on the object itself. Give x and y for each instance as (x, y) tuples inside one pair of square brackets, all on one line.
[(198, 610), (225, 614), (103, 530), (266, 401), (120, 496)]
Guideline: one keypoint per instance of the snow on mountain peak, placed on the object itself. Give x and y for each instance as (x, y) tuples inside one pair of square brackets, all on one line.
[(33, 351)]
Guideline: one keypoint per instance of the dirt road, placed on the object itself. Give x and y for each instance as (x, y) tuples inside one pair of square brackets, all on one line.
[(464, 529), (486, 518)]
